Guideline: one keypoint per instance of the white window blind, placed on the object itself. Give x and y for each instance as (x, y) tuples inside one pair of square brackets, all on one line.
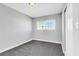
[(46, 25)]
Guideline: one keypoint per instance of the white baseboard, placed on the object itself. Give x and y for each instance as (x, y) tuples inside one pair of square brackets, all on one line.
[(26, 42), (14, 46), (48, 41)]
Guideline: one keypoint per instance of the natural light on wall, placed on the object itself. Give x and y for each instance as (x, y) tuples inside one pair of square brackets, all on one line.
[(46, 25)]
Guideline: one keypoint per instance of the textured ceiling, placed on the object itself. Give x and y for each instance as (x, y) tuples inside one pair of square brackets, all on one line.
[(38, 10)]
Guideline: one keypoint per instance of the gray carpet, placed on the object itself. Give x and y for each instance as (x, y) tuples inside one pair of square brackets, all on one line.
[(35, 48)]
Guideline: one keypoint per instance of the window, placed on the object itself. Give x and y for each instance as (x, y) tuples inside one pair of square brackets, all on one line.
[(46, 25)]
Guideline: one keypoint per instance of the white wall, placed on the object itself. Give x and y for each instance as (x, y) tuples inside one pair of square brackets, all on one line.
[(69, 30), (15, 28), (72, 29), (75, 8), (52, 35)]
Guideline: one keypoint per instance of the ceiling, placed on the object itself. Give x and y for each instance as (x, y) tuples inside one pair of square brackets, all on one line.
[(38, 10)]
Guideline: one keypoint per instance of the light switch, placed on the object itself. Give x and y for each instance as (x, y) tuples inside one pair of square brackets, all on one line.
[(77, 25)]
